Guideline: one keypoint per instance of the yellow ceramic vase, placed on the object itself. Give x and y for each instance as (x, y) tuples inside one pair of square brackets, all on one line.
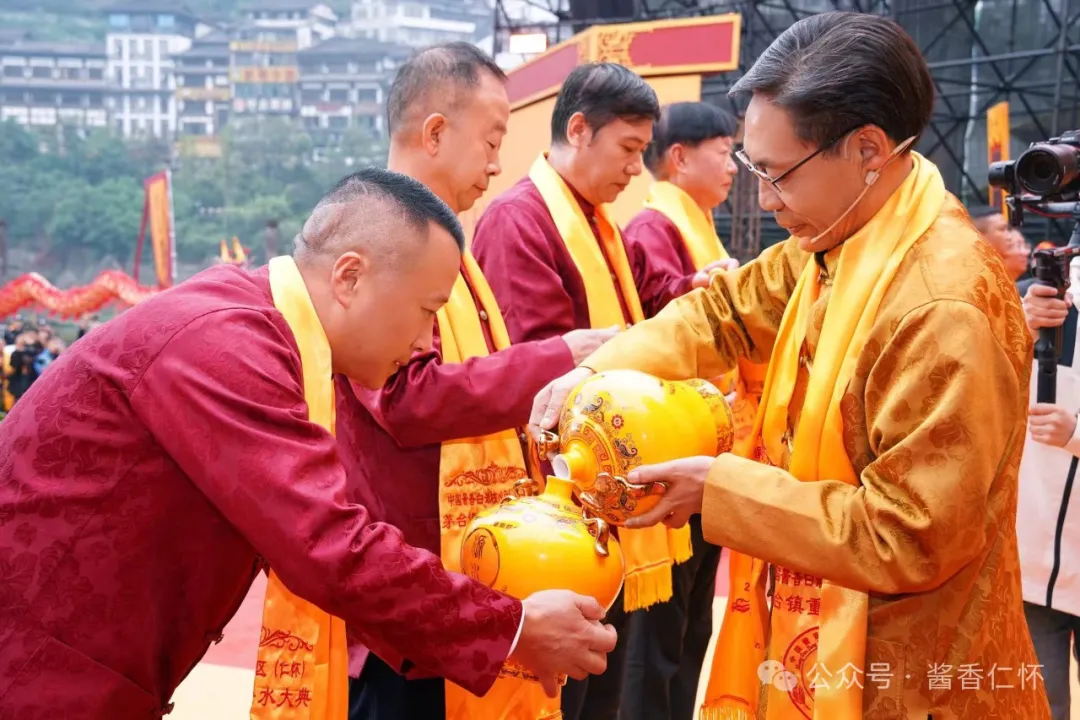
[(541, 542), (622, 419)]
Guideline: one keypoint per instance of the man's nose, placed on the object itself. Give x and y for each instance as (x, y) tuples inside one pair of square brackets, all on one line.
[(494, 168), (768, 197), (635, 167), (425, 341)]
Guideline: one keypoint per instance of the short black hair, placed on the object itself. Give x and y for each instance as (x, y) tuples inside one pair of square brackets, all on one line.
[(689, 124), (836, 72), (450, 68), (602, 92), (409, 198)]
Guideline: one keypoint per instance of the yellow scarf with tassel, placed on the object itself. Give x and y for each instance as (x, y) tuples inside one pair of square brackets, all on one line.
[(698, 233), (651, 552), (831, 632), (302, 668), (475, 474)]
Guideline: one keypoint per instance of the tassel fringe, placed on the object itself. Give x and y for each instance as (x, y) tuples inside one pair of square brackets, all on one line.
[(647, 587), (680, 544), (724, 713)]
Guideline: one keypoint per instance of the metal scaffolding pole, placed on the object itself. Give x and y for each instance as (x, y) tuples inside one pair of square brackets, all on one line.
[(1026, 52)]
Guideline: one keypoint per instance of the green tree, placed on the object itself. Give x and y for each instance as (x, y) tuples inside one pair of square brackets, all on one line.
[(78, 200), (96, 221), (17, 146)]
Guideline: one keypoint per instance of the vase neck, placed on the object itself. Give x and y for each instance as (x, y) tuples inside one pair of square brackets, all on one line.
[(559, 489), (573, 463)]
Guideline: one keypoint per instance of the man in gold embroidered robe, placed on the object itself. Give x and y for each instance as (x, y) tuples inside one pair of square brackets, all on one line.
[(904, 536)]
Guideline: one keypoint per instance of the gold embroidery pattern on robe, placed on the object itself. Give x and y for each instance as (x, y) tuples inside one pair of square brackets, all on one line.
[(962, 637)]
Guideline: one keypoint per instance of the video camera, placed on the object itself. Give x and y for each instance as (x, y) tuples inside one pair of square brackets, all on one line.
[(1045, 180)]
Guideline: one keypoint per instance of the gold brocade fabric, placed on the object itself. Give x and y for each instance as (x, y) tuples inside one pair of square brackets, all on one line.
[(933, 422), (698, 233)]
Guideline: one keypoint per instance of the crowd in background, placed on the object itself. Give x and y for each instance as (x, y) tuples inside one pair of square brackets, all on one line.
[(29, 348)]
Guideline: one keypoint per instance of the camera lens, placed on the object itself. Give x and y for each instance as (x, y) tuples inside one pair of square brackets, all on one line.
[(1001, 175), (1046, 169)]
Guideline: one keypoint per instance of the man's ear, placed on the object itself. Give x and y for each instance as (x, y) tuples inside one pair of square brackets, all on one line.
[(577, 131), (432, 133), (677, 157), (874, 147), (348, 272)]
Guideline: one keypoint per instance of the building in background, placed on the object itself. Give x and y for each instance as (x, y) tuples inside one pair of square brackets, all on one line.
[(53, 84), (164, 72), (308, 22), (203, 93), (419, 23), (13, 35), (343, 83), (263, 72), (142, 38), (263, 54)]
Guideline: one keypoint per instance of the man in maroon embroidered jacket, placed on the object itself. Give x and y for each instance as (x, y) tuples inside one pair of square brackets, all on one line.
[(146, 476), (601, 124), (692, 149), (690, 159), (448, 111)]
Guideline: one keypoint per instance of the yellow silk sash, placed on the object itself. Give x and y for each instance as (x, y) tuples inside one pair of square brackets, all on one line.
[(302, 668), (651, 552), (818, 628), (474, 474), (696, 228), (698, 233)]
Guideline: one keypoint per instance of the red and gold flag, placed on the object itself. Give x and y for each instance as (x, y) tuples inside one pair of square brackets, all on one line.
[(158, 214), (997, 146)]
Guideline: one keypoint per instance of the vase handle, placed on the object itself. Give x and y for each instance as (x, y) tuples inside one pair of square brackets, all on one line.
[(547, 445), (523, 488), (599, 529), (616, 498)]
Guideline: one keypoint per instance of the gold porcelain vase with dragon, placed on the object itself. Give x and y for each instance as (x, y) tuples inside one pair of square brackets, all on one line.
[(617, 421)]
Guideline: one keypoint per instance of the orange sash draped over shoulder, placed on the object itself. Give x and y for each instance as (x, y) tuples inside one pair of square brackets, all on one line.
[(474, 474), (302, 669), (651, 552), (831, 643)]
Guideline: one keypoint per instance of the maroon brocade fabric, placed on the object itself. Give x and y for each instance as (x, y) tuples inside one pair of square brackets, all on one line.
[(390, 440), (141, 480), (531, 273), (662, 266)]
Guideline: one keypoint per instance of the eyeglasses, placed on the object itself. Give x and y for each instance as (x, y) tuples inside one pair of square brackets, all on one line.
[(775, 181)]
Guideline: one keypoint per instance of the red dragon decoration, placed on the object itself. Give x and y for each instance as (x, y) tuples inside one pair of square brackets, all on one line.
[(108, 286)]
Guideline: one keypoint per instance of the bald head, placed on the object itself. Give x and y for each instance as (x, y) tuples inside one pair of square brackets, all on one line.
[(365, 212), (379, 257), (435, 80)]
